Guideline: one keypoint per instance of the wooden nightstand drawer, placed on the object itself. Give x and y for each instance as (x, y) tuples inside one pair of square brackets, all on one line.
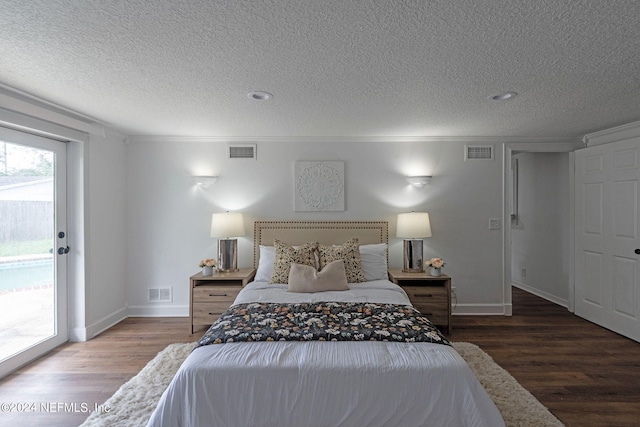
[(207, 313), (216, 293), (427, 293)]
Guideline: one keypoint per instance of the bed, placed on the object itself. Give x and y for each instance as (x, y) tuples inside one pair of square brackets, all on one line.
[(277, 376)]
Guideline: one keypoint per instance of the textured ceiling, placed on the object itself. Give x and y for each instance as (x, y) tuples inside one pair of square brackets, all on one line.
[(335, 67)]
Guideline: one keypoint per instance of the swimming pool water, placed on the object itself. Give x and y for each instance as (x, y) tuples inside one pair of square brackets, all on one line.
[(26, 274)]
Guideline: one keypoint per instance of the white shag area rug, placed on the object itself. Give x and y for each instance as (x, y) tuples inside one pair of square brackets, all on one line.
[(518, 407), (133, 403)]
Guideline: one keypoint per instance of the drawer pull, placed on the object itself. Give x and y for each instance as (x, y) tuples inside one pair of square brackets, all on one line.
[(214, 314), (218, 295), (424, 295)]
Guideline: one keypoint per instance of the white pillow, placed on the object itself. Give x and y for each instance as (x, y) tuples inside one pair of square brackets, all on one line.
[(374, 261), (265, 263)]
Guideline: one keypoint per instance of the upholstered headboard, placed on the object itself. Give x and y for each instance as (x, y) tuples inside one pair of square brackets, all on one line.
[(326, 232)]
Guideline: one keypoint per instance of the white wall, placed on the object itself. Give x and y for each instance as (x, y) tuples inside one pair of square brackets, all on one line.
[(168, 217), (540, 239), (105, 232)]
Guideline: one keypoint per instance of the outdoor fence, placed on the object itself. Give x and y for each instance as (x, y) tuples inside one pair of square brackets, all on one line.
[(25, 220)]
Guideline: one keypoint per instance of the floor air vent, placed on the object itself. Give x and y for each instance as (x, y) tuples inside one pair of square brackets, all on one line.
[(478, 152), (242, 151)]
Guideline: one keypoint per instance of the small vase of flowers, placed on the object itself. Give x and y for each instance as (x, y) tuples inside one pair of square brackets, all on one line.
[(208, 265), (435, 264)]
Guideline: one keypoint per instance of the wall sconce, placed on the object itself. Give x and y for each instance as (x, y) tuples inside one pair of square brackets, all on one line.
[(413, 227), (224, 226), (419, 181), (204, 181)]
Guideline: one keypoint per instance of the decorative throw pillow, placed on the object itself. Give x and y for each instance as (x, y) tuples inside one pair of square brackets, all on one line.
[(286, 254), (349, 253), (303, 278)]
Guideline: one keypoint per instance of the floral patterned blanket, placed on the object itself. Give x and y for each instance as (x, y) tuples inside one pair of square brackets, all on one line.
[(322, 321)]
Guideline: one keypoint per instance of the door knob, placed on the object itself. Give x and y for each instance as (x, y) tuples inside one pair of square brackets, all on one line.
[(637, 251), (62, 251)]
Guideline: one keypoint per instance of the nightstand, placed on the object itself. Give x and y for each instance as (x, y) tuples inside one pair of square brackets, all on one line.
[(212, 295), (431, 295)]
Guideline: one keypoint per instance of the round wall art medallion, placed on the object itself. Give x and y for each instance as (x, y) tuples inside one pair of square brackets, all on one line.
[(319, 186)]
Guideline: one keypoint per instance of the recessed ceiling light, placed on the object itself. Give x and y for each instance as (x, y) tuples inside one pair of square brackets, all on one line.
[(259, 95), (503, 96)]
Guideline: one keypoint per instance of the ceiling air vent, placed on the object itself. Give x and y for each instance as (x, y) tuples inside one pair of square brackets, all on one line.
[(478, 152), (242, 151)]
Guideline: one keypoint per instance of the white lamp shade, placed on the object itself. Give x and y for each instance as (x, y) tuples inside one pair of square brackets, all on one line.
[(227, 225), (413, 225)]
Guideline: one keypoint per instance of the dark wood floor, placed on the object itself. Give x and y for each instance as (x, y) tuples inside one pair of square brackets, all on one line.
[(586, 375)]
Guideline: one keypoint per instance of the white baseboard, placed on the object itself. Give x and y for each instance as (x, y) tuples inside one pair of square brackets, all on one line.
[(85, 334), (106, 322), (481, 310), (158, 311), (508, 310), (542, 294), (78, 334)]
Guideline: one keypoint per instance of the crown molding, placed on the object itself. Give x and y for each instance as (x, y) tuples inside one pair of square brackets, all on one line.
[(342, 139), (618, 133), (19, 102)]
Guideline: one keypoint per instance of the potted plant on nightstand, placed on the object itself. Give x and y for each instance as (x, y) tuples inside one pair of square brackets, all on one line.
[(435, 264), (207, 266)]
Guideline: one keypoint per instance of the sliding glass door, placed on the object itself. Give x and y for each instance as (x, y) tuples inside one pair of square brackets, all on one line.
[(33, 248)]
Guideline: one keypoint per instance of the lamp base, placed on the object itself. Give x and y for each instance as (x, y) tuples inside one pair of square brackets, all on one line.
[(228, 255), (413, 256)]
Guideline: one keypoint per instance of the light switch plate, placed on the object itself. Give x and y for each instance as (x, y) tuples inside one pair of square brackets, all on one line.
[(494, 224)]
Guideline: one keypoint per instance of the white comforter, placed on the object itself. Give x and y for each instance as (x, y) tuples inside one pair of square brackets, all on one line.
[(307, 384)]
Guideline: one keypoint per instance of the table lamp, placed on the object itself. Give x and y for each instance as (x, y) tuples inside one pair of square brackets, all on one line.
[(224, 226), (413, 227)]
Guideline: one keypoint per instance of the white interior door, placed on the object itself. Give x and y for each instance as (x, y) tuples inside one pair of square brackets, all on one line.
[(33, 262), (607, 249)]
